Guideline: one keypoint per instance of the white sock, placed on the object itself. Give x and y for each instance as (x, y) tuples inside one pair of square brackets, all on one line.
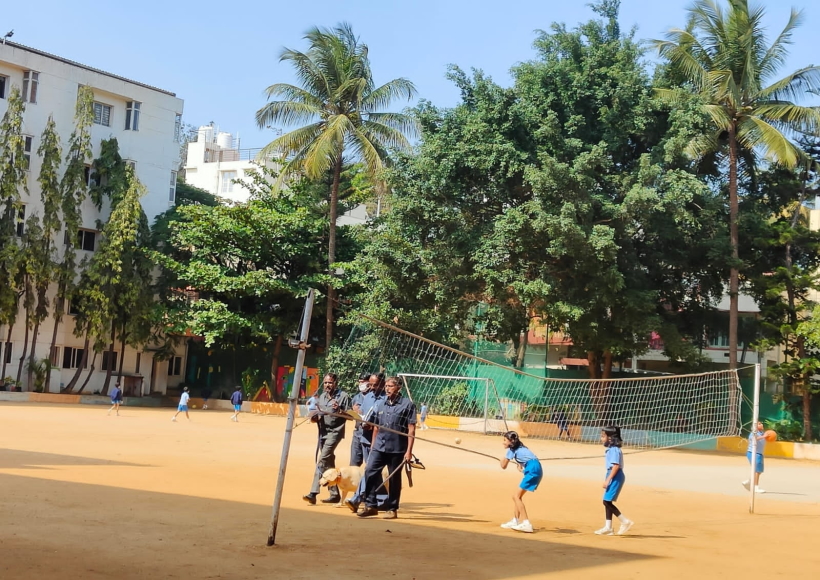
[(623, 519), (525, 522), (515, 521), (608, 524)]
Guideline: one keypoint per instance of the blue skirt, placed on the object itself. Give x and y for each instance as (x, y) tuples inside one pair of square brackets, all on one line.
[(533, 473), (758, 461), (615, 486)]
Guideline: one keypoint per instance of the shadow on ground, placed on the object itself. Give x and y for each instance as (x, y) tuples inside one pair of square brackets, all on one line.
[(15, 459), (54, 529)]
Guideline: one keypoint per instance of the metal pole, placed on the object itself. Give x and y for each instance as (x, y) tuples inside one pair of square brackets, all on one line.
[(755, 416), (486, 404), (294, 393)]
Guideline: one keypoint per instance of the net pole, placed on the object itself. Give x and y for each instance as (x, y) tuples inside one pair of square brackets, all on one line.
[(294, 393), (755, 416), (486, 405)]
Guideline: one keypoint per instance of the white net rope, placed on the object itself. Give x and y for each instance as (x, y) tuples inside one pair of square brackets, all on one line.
[(464, 392)]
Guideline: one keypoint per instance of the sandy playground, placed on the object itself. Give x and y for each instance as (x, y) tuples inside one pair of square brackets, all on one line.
[(85, 495)]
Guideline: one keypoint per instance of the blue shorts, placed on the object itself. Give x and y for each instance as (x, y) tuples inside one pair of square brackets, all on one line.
[(183, 408), (533, 473), (615, 486), (237, 407), (758, 461)]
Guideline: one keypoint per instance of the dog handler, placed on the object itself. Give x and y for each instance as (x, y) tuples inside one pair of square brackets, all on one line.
[(331, 432), (389, 449)]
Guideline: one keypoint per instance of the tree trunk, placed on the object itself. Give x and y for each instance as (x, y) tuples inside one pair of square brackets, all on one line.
[(607, 374), (23, 356), (108, 370), (5, 348), (90, 372), (80, 367), (734, 273), (522, 349), (331, 248), (274, 367), (32, 356), (58, 316), (122, 352)]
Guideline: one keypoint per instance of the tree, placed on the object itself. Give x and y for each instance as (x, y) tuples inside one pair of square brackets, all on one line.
[(339, 105), (46, 260), (74, 189), (13, 180), (722, 57)]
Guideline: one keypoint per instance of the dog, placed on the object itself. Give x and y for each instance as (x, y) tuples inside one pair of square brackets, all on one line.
[(347, 479)]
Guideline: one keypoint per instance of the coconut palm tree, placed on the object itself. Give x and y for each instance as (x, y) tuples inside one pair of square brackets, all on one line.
[(723, 56), (337, 113)]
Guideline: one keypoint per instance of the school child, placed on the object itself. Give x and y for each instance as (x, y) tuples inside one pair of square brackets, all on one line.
[(116, 399), (527, 463), (183, 405), (758, 458), (423, 417), (614, 481), (236, 401)]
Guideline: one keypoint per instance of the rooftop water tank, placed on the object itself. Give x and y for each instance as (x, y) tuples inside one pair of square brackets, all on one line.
[(205, 134), (224, 140)]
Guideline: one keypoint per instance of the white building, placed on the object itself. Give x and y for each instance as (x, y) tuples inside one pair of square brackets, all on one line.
[(146, 122)]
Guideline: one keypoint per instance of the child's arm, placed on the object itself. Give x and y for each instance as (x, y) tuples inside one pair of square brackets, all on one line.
[(504, 462), (615, 469)]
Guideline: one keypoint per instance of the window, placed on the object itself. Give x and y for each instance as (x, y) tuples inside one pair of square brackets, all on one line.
[(137, 366), (73, 310), (227, 181), (4, 81), (172, 197), (177, 127), (175, 366), (55, 356), (31, 80), (132, 116), (91, 177), (27, 151), (109, 357), (8, 351), (72, 357), (102, 114), (86, 240)]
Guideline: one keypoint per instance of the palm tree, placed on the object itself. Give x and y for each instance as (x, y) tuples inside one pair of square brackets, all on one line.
[(723, 57), (336, 109)]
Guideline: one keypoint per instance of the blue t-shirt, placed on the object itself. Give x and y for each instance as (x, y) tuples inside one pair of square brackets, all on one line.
[(761, 443), (367, 410), (614, 456), (116, 395), (521, 455), (396, 415), (236, 398)]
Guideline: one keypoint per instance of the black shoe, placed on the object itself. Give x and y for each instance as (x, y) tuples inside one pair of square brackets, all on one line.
[(368, 512), (353, 505), (310, 498), (332, 499)]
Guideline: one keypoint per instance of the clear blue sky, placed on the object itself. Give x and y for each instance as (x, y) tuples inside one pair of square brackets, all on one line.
[(219, 55)]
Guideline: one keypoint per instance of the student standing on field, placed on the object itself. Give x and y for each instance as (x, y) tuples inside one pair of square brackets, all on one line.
[(614, 481), (236, 401), (530, 466), (183, 405), (116, 399), (758, 458)]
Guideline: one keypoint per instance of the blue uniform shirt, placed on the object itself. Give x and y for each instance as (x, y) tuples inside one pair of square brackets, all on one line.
[(521, 455), (396, 415), (367, 411), (614, 456), (761, 443), (357, 399), (236, 398)]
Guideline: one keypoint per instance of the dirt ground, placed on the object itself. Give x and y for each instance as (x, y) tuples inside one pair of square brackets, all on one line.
[(85, 495)]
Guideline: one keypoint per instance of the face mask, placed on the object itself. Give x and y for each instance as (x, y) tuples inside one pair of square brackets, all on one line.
[(363, 387)]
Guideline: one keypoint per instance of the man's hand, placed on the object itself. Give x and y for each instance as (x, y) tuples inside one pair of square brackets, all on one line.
[(408, 456)]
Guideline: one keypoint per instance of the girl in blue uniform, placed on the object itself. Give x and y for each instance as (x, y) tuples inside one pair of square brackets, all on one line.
[(527, 463), (614, 481)]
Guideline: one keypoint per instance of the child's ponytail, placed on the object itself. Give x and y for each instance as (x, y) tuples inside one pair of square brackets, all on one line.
[(512, 437)]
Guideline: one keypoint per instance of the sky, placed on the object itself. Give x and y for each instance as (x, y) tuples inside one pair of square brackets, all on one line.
[(219, 56)]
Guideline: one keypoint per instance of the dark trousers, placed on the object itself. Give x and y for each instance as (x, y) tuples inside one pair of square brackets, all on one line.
[(373, 479), (327, 459), (356, 454)]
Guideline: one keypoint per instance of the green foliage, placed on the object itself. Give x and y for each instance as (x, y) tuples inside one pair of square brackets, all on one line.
[(453, 400), (786, 429), (250, 382)]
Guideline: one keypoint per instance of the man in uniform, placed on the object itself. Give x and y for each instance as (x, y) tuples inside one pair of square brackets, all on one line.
[(375, 394), (356, 456), (331, 432), (389, 449)]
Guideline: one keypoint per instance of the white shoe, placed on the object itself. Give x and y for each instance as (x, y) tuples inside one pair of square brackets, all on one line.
[(174, 419), (510, 524), (625, 527), (605, 532), (204, 406), (745, 484), (758, 490), (525, 527)]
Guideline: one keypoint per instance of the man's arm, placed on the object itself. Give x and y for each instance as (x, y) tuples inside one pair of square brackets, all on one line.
[(411, 438)]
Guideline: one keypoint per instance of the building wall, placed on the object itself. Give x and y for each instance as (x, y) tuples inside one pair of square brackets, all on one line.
[(154, 149)]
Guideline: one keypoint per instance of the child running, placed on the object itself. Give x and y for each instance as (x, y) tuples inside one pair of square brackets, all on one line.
[(116, 399), (614, 481), (183, 405), (528, 464), (236, 400)]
